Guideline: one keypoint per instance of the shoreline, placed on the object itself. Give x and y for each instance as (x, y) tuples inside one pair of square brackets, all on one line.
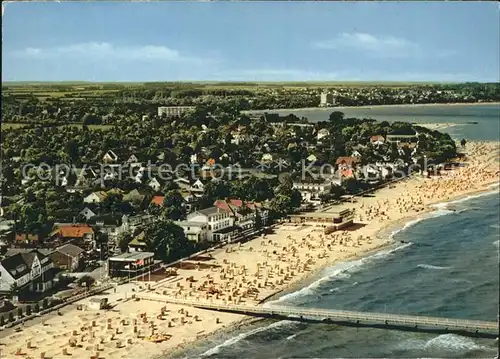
[(379, 216), (385, 233), (369, 107)]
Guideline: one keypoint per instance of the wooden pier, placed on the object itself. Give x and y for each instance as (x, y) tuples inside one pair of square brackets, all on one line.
[(478, 328)]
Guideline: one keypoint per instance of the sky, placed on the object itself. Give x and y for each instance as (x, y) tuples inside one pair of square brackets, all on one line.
[(251, 41)]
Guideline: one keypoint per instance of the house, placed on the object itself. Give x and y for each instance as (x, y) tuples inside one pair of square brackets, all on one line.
[(158, 200), (154, 184), (135, 197), (402, 138), (311, 191), (133, 160), (183, 183), (220, 223), (132, 264), (110, 157), (244, 213), (377, 140), (6, 231), (326, 99), (138, 243), (95, 197), (108, 223), (29, 239), (323, 133), (28, 272), (346, 172), (267, 158), (87, 213), (356, 153), (174, 111), (197, 187), (194, 231), (67, 257), (311, 158), (189, 199), (81, 233), (347, 162)]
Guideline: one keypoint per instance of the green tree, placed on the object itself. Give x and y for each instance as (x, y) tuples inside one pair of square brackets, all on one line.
[(173, 206), (168, 241), (86, 281), (123, 241)]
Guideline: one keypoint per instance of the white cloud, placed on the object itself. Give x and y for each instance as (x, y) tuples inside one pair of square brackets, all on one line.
[(276, 74), (378, 46), (104, 50), (268, 74)]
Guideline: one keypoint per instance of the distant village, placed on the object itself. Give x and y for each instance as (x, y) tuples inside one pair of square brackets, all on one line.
[(131, 200)]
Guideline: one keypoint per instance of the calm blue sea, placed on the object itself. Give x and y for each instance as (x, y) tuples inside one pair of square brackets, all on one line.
[(487, 116), (450, 268)]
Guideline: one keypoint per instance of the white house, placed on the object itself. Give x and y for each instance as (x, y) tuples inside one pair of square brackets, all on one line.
[(311, 191), (220, 223), (133, 160), (28, 271), (322, 134), (154, 184), (110, 157), (95, 197), (311, 158), (197, 186), (356, 153), (267, 157), (194, 231), (87, 213)]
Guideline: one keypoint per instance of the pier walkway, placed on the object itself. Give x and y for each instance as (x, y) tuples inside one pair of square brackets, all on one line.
[(348, 318)]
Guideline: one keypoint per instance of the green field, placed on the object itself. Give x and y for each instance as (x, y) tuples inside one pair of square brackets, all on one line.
[(9, 126)]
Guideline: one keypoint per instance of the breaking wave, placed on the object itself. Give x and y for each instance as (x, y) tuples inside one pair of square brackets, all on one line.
[(448, 342), (453, 342), (234, 340), (429, 266)]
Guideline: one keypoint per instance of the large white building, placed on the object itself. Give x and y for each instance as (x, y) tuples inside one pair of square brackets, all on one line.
[(174, 111), (220, 223), (194, 231), (312, 191), (326, 100)]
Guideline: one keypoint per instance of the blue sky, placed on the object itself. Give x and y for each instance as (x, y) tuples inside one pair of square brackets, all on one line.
[(251, 41)]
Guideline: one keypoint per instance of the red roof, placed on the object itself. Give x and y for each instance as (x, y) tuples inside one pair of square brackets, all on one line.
[(236, 203), (158, 200), (73, 230), (347, 160), (347, 173), (27, 237)]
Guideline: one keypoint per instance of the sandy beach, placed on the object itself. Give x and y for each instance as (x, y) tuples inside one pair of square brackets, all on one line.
[(240, 273)]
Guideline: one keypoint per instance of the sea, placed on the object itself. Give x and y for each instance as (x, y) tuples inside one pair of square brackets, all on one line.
[(447, 266)]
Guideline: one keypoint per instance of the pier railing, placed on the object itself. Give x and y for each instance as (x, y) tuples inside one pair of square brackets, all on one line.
[(341, 316)]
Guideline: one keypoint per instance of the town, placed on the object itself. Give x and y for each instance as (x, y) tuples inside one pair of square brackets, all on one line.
[(82, 205)]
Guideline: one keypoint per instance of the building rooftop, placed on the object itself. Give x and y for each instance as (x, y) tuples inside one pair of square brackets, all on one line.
[(329, 214), (190, 223), (211, 210), (70, 250), (132, 257)]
